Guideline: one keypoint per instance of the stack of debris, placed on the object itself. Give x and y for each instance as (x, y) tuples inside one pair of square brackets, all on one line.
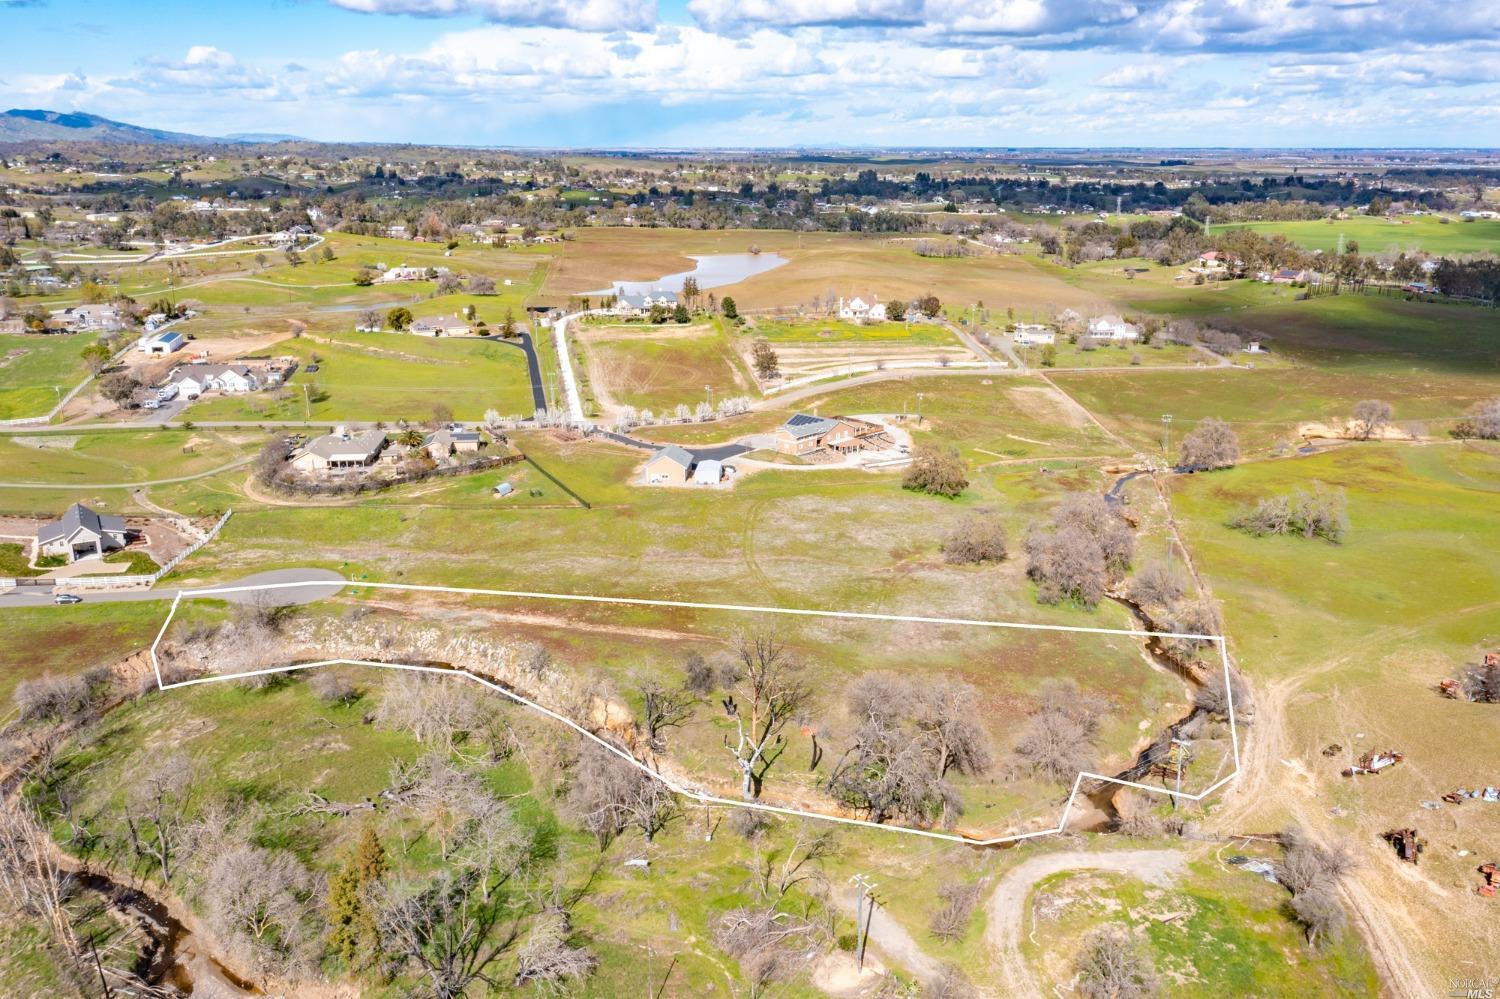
[(1479, 683), (1408, 844), (1491, 884), (1459, 795), (1374, 762)]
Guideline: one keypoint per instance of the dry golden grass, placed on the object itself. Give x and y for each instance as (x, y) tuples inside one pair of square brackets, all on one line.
[(842, 263)]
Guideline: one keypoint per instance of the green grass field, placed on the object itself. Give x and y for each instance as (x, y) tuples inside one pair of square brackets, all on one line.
[(386, 376), (1350, 641), (1070, 355), (844, 331), (1375, 235), (109, 457), (15, 560), (37, 371)]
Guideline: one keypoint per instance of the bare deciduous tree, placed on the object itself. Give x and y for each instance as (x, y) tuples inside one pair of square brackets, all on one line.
[(155, 811), (452, 801), (767, 694), (549, 959), (1211, 444), (254, 899), (447, 930), (435, 710), (1088, 546), (1059, 739), (30, 880), (1370, 417), (1317, 514), (52, 698), (1214, 697), (1319, 912), (771, 946), (1311, 872), (661, 708), (611, 795)]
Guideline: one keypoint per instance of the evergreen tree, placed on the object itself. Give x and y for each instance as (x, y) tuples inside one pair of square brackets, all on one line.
[(354, 935)]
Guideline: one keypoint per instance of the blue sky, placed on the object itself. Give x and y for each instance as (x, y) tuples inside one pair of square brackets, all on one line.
[(774, 72)]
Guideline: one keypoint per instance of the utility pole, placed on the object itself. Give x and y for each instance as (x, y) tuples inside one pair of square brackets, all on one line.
[(1166, 435), (864, 911)]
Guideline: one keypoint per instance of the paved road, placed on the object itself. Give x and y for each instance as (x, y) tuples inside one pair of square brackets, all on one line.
[(719, 452), (319, 583), (565, 361), (533, 367)]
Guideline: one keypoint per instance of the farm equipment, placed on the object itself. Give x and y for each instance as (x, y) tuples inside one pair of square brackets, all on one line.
[(1451, 689), (1491, 884), (1408, 844), (1374, 762)]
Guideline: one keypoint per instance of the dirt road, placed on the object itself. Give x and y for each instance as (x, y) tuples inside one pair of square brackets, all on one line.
[(1006, 910)]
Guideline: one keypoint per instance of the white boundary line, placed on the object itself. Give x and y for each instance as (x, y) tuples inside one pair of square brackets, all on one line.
[(693, 793)]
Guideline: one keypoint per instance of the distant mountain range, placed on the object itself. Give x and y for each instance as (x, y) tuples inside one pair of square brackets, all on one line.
[(21, 125)]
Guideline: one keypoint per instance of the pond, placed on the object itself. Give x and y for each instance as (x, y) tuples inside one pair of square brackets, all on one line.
[(711, 271)]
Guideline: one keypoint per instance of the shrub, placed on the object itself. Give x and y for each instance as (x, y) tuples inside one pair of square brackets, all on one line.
[(1317, 514), (979, 537), (52, 698), (333, 686), (1112, 967), (951, 921)]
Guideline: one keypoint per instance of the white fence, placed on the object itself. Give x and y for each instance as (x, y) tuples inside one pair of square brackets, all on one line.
[(142, 581)]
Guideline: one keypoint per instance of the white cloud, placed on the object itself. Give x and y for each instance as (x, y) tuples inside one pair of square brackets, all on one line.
[(585, 15), (1135, 76), (1130, 25)]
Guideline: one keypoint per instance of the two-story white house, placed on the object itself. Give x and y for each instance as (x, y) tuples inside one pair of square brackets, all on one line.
[(858, 310), (1112, 327)]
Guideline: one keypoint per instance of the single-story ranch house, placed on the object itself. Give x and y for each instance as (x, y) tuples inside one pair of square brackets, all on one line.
[(669, 466), (195, 379), (1034, 335), (80, 533), (452, 440), (340, 449)]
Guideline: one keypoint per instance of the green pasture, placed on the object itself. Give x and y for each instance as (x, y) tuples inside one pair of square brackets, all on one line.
[(37, 371), (1433, 234), (385, 376)]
